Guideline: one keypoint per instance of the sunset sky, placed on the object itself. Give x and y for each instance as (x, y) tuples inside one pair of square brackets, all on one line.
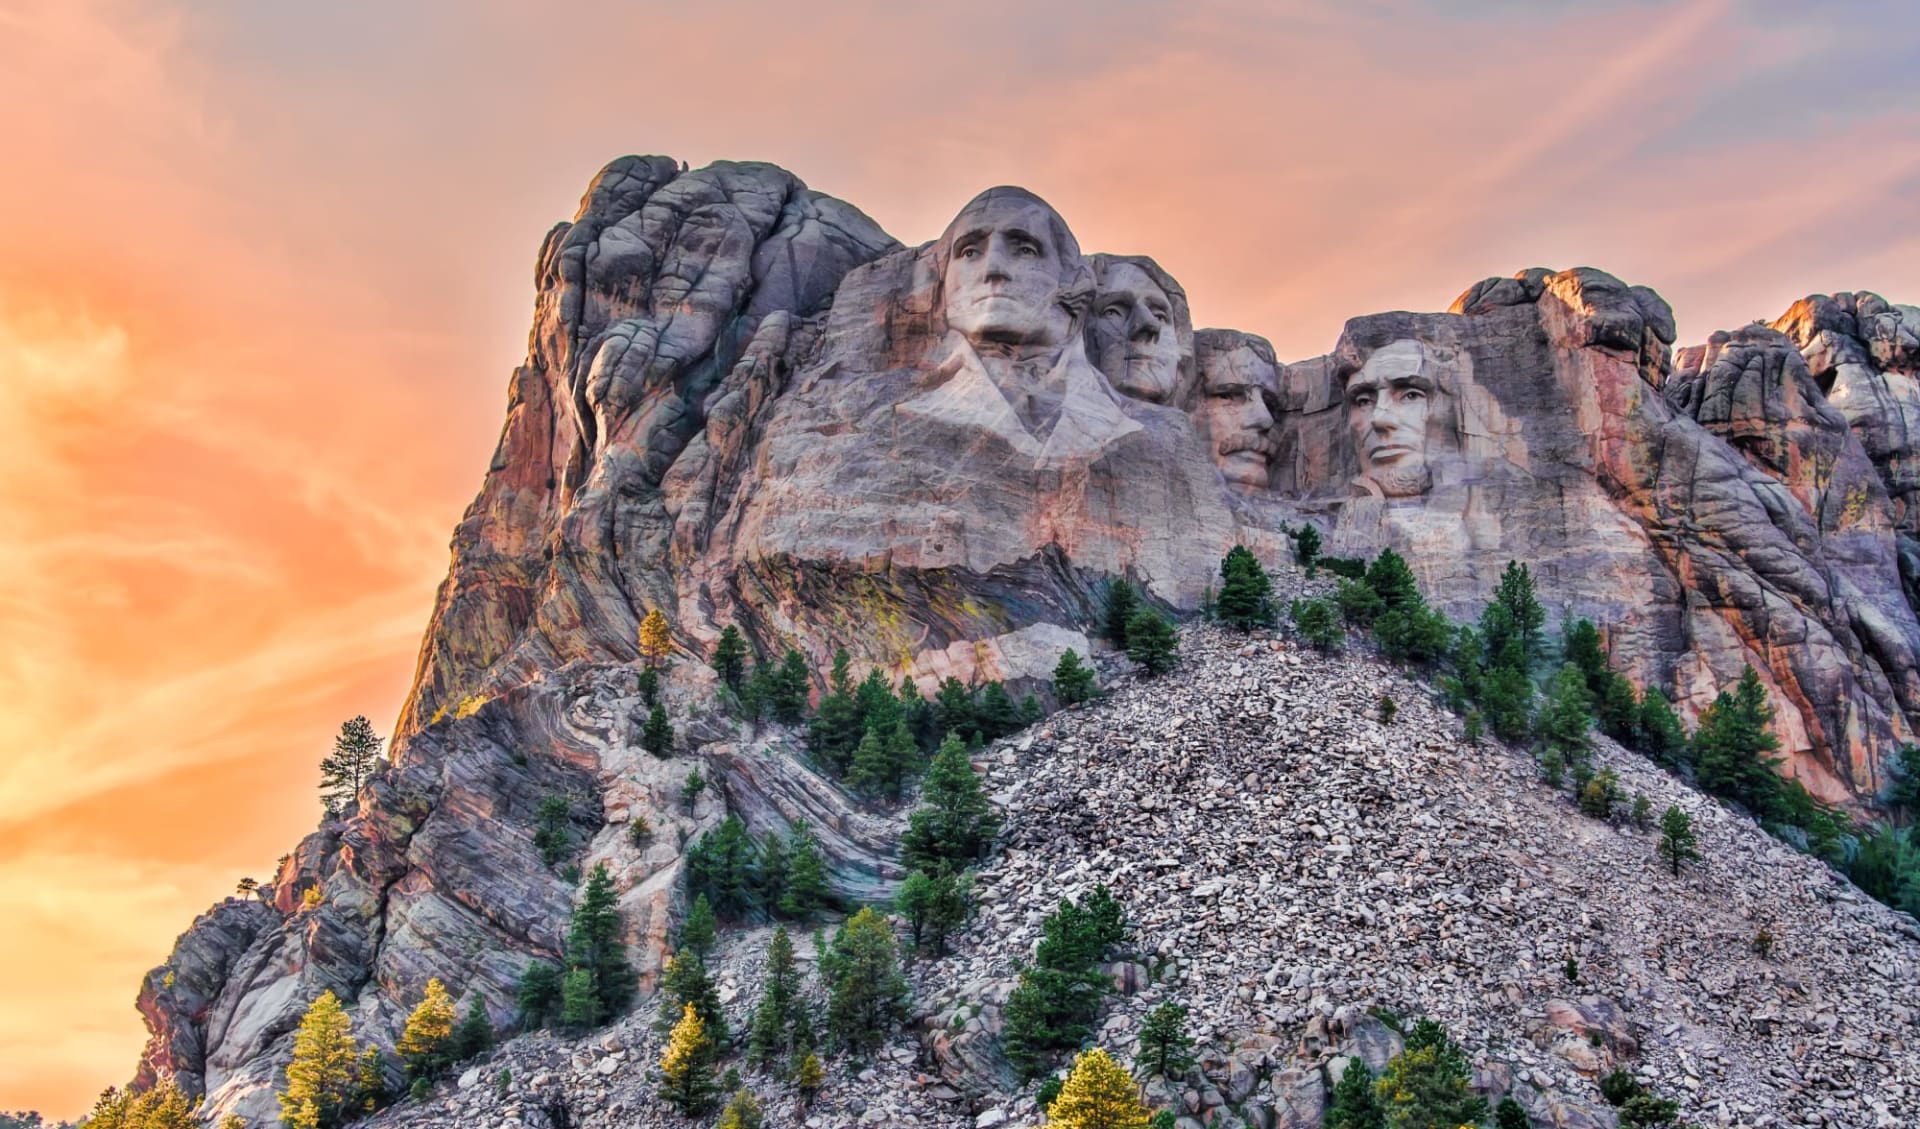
[(265, 268)]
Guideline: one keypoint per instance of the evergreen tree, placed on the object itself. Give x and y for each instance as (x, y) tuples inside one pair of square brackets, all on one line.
[(1318, 622), (953, 708), (1117, 615), (1506, 700), (743, 1112), (647, 682), (686, 1069), (550, 828), (996, 715), (1428, 1087), (1073, 681), (791, 687), (730, 658), (1359, 604), (771, 1038), (1392, 580), (539, 995), (424, 1044), (701, 930), (1165, 1048), (656, 736), (1903, 784), (874, 699), (775, 870), (1519, 623), (1732, 744), (808, 891), (1509, 1115), (595, 945), (1677, 844), (370, 1089), (1662, 737), (1352, 1104), (684, 983), (656, 638), (579, 1005), (869, 771), (1565, 722), (474, 1036), (808, 1077), (835, 729), (691, 789), (723, 865), (1306, 547), (1152, 643), (1246, 592), (1413, 633), (867, 994), (934, 905), (323, 1082), (356, 752), (955, 823), (1616, 707), (163, 1106), (1053, 1006), (1098, 1094)]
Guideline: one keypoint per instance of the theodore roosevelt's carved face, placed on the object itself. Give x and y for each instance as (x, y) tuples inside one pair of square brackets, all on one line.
[(1008, 257), (1132, 332), (1388, 403), (1236, 416)]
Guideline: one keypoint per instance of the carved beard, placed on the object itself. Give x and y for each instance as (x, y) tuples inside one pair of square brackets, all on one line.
[(1401, 481)]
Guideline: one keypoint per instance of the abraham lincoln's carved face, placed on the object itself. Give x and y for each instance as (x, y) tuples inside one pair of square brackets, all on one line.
[(1388, 405)]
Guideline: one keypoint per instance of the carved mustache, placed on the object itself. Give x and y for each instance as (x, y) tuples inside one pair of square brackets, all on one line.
[(1234, 444)]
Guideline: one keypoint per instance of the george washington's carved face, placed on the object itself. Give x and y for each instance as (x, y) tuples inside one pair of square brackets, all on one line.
[(1388, 404), (1132, 332), (1007, 259)]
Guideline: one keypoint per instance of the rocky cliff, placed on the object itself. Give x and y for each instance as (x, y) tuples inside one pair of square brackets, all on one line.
[(743, 403)]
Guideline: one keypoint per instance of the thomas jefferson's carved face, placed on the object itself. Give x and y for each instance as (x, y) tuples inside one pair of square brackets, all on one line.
[(1236, 417), (1133, 334), (1388, 403), (1004, 271)]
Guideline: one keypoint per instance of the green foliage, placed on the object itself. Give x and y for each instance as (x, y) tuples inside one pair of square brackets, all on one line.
[(866, 994), (1391, 579), (1318, 622), (596, 947), (1359, 604), (647, 682), (1565, 723), (1117, 614), (1617, 709), (1306, 546), (656, 736), (1662, 736), (1677, 844), (474, 1036), (772, 1038), (730, 658), (1352, 1104), (742, 1112), (578, 1007), (1151, 642), (1054, 1005), (1350, 568), (691, 789), (686, 1068), (1886, 865), (1509, 1115), (1731, 747), (163, 1106), (953, 708), (1386, 709), (539, 995), (788, 687), (1512, 624), (724, 866), (1246, 592), (935, 905), (954, 824), (701, 930), (551, 834), (1415, 633), (323, 1079), (836, 728), (1506, 700), (1165, 1047), (1903, 782), (807, 890), (685, 983), (1429, 1085), (425, 1046), (356, 752), (1073, 680)]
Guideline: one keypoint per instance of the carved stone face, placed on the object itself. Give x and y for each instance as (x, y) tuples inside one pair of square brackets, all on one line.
[(1236, 416), (1388, 403), (1133, 335), (1006, 262)]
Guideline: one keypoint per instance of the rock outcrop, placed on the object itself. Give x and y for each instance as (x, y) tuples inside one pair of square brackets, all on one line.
[(743, 403)]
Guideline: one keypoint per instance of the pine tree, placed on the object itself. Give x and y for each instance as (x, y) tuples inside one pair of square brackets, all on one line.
[(1677, 844), (791, 688), (1565, 723), (474, 1036), (902, 759), (1352, 1104), (808, 891), (1359, 604), (686, 1069), (1392, 580), (370, 1089), (579, 1005), (1318, 622), (656, 638), (866, 993), (1306, 547), (1246, 592), (934, 905), (691, 789), (1073, 681), (595, 945), (356, 752), (1428, 1088), (996, 715), (1903, 783), (1732, 744), (775, 866), (1520, 621), (955, 823), (742, 1112), (953, 708), (1617, 709), (1152, 643), (730, 658), (1509, 1115), (836, 728), (1582, 649), (1165, 1048), (1121, 603), (423, 1046), (539, 995), (700, 932), (1413, 633), (686, 983), (550, 828), (1506, 700), (322, 1080), (1098, 1094), (869, 771), (1056, 1000), (771, 1037), (656, 736), (723, 866), (647, 682), (808, 1077)]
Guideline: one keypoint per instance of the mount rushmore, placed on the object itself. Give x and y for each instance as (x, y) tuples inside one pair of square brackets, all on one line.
[(745, 404)]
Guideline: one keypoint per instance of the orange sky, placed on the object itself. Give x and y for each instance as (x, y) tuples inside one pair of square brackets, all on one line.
[(264, 269)]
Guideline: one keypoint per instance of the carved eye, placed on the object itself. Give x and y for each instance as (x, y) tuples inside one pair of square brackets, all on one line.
[(1026, 249), (970, 251), (1115, 312), (1413, 394), (1364, 400)]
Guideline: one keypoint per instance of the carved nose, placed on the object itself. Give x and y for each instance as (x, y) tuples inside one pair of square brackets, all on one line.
[(996, 264), (1146, 330), (1258, 418)]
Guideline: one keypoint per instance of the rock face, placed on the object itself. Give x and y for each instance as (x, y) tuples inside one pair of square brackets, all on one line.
[(743, 403)]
